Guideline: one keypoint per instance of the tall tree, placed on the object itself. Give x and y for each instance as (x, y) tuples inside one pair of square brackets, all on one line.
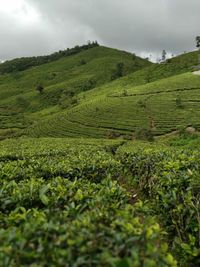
[(164, 53), (198, 42), (119, 71)]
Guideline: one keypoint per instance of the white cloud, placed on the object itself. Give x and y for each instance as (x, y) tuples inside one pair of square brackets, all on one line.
[(20, 11), (31, 27)]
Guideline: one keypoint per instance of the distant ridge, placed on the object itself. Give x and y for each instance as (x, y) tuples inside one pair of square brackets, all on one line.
[(21, 64)]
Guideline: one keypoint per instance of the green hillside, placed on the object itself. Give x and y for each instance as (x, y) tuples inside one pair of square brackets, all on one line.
[(100, 92), (163, 106), (62, 80), (158, 97), (20, 64)]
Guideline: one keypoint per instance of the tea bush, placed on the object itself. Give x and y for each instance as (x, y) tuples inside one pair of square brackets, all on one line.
[(77, 223), (170, 180), (80, 202)]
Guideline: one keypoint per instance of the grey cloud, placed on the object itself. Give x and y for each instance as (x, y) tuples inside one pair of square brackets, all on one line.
[(141, 26)]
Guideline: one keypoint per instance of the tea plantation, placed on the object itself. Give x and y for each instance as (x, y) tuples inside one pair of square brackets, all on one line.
[(80, 90), (87, 202), (125, 109), (62, 81), (99, 160)]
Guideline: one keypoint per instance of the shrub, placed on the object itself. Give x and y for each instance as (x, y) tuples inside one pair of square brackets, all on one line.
[(141, 103), (148, 77), (118, 72), (97, 109), (112, 135), (67, 100), (22, 102), (179, 103), (144, 134), (40, 88), (82, 62), (88, 85), (124, 93), (169, 180)]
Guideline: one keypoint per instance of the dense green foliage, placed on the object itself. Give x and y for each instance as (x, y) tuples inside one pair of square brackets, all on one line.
[(169, 179), (118, 72), (128, 205)]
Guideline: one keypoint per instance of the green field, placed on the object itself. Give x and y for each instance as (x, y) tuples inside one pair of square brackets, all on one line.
[(102, 167)]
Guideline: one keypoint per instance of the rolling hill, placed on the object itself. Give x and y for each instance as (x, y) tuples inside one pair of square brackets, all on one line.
[(62, 79), (100, 92), (162, 106)]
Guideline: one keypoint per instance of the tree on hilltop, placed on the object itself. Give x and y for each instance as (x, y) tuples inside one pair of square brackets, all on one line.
[(164, 54), (198, 42)]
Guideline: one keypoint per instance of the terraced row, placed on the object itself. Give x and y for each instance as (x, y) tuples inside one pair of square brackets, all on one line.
[(163, 106)]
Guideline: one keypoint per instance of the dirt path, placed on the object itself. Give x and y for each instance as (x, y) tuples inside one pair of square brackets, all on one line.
[(197, 72), (173, 133)]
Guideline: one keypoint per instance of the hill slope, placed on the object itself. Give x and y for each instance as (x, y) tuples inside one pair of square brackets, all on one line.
[(162, 106), (80, 97), (62, 81), (20, 64)]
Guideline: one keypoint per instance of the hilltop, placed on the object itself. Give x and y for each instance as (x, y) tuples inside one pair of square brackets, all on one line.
[(100, 92), (20, 64), (62, 80)]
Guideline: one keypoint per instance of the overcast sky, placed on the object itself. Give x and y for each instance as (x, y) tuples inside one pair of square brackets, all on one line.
[(37, 27)]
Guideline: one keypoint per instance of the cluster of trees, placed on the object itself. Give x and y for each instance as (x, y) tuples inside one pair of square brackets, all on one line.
[(68, 99), (118, 72), (20, 64), (164, 53), (144, 134), (87, 85), (163, 57)]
